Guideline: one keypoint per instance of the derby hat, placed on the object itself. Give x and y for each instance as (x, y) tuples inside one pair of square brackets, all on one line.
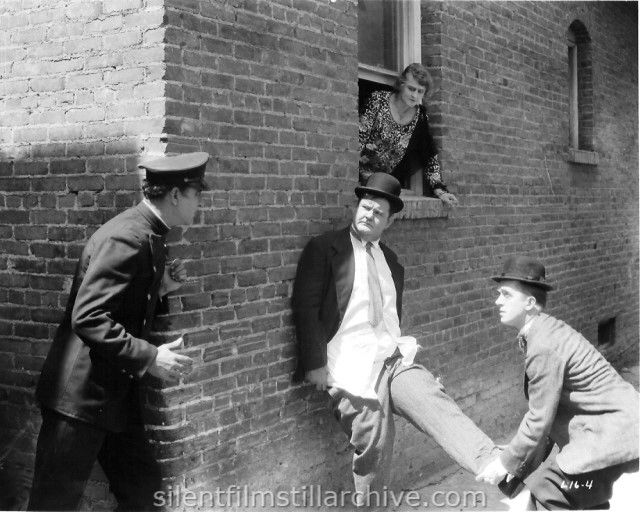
[(381, 184), (183, 169), (524, 269)]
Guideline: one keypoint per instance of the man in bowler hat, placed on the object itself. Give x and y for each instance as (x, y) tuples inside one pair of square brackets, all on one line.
[(347, 302), (576, 400), (100, 356)]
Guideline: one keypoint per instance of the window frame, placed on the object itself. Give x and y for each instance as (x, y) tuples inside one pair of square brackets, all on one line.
[(409, 51), (580, 148)]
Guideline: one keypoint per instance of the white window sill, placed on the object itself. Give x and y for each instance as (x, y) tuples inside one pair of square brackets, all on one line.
[(578, 156), (420, 207)]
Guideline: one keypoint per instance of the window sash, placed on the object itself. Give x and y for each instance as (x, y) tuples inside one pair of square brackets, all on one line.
[(407, 18)]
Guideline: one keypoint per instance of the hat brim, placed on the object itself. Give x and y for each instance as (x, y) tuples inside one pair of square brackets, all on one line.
[(396, 204), (539, 284)]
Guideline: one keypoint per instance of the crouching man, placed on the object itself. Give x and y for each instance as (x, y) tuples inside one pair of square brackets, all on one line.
[(576, 399)]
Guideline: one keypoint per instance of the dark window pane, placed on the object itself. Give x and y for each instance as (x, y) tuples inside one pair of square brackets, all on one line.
[(378, 33)]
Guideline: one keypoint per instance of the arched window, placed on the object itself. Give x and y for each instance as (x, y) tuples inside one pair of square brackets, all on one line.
[(581, 108)]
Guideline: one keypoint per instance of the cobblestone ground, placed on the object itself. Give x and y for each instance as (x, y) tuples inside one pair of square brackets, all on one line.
[(455, 489)]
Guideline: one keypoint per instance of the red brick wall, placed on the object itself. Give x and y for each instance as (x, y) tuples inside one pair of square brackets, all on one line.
[(269, 89)]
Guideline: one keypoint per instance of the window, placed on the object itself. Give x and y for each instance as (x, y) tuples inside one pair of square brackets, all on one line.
[(388, 41), (388, 38), (581, 111), (607, 332)]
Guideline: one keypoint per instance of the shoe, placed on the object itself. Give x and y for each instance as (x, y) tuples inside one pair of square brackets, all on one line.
[(511, 488)]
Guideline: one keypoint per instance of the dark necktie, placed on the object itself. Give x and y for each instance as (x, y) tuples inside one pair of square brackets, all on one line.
[(375, 292)]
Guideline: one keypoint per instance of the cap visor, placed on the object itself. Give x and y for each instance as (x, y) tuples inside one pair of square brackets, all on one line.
[(200, 184)]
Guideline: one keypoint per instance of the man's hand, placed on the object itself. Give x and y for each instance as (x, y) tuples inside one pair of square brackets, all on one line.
[(175, 274), (319, 377), (493, 473), (169, 365)]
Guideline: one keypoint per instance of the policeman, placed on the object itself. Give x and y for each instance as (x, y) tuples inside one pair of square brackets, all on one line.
[(90, 383)]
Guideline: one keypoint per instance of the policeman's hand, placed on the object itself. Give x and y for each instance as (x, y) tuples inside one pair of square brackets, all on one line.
[(319, 377), (175, 274), (169, 365), (493, 473)]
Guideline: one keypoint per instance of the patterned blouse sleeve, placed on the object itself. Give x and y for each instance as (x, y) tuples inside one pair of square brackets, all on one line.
[(432, 167), (432, 174)]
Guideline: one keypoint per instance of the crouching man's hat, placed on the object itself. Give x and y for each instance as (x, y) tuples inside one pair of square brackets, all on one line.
[(175, 171), (524, 269), (381, 184)]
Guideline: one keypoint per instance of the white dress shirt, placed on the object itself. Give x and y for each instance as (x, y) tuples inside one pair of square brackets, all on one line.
[(357, 352)]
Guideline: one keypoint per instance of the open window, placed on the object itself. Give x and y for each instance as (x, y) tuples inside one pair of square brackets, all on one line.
[(388, 41)]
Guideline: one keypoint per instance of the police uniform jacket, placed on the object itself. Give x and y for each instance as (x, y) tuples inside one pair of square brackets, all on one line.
[(577, 399), (100, 351)]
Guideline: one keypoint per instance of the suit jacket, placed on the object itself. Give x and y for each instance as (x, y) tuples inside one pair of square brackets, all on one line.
[(577, 399), (321, 292), (99, 351)]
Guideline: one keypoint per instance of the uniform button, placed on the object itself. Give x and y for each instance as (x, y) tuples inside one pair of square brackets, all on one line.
[(148, 296)]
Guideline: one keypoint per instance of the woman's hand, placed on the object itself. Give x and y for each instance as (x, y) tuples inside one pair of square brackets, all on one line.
[(448, 198)]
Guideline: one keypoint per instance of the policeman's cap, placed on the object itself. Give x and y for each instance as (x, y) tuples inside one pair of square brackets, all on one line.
[(184, 169)]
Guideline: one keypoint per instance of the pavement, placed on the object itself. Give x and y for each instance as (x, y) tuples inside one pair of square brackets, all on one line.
[(456, 489)]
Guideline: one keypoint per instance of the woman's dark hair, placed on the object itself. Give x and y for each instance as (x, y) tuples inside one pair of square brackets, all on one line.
[(419, 73)]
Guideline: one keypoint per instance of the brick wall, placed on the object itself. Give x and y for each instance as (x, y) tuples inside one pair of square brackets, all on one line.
[(81, 97), (269, 89)]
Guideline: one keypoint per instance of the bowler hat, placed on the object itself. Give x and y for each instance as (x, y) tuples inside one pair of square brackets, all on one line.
[(524, 269), (381, 184), (183, 169)]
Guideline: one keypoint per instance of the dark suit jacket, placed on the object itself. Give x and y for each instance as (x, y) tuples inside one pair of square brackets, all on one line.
[(321, 292), (99, 351), (577, 399)]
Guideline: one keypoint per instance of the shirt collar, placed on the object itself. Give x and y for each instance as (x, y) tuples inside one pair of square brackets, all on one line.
[(152, 211), (526, 327), (356, 236)]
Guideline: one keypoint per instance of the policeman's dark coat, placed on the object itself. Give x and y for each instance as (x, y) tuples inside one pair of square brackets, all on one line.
[(100, 351)]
